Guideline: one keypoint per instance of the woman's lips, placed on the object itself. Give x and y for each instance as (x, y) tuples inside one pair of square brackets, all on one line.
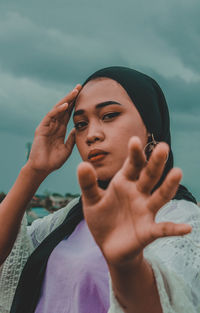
[(96, 155)]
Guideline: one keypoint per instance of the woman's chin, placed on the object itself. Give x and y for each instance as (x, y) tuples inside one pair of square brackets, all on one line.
[(103, 175)]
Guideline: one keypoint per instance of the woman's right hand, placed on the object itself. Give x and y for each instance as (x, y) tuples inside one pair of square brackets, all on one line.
[(49, 150)]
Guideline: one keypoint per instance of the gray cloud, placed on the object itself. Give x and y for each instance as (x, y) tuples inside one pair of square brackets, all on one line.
[(48, 54), (72, 39), (48, 46), (23, 102), (181, 96), (179, 25)]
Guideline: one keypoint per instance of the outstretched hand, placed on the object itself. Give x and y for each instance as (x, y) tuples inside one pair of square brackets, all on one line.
[(122, 217), (49, 149)]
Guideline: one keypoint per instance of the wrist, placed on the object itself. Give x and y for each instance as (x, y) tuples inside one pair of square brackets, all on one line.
[(29, 171), (130, 263), (131, 282)]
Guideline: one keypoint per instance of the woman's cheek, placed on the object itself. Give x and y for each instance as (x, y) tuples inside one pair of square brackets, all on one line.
[(79, 145)]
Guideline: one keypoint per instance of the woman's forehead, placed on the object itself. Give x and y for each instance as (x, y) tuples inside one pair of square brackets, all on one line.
[(101, 89)]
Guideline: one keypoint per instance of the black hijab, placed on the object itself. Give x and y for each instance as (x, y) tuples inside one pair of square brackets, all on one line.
[(150, 102)]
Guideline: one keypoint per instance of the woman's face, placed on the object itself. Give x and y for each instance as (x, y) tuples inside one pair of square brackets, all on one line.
[(105, 119)]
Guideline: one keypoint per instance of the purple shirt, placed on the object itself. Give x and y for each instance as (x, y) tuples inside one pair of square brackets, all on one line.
[(76, 278)]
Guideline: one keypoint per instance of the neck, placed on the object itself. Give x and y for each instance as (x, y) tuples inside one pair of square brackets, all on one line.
[(103, 184)]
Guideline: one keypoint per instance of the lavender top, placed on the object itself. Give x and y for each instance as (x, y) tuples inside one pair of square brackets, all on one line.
[(76, 278)]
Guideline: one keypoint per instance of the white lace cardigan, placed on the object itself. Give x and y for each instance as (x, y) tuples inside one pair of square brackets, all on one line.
[(175, 260)]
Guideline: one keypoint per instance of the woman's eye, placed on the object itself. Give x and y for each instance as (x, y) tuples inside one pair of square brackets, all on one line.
[(80, 125), (110, 115)]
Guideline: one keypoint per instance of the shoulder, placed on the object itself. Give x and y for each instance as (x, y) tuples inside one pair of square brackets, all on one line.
[(41, 228), (175, 260), (27, 240), (179, 211)]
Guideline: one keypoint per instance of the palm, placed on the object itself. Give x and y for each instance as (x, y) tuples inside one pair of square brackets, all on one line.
[(132, 225), (122, 218), (49, 150)]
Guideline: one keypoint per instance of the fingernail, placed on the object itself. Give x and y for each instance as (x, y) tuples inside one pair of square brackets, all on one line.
[(64, 105)]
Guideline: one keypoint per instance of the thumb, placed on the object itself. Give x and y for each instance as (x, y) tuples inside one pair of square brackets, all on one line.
[(88, 183), (70, 142)]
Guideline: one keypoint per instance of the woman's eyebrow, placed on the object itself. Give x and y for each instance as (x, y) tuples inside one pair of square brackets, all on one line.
[(98, 106), (103, 104)]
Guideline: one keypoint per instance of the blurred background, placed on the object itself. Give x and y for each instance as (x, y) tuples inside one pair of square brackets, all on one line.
[(47, 47)]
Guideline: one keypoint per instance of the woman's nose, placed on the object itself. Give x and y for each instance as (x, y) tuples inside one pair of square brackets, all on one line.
[(95, 133)]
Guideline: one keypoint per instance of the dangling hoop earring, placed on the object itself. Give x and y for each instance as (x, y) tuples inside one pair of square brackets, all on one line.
[(152, 143)]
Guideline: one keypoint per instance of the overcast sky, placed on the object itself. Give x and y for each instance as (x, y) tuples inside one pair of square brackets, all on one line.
[(46, 47)]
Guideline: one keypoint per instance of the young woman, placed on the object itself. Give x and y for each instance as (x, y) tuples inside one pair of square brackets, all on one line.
[(140, 231)]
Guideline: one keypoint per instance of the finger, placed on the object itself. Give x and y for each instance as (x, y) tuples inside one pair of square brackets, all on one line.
[(63, 107), (151, 174), (71, 105), (135, 161), (70, 96), (88, 183), (170, 229), (70, 142), (54, 114), (70, 100), (166, 191)]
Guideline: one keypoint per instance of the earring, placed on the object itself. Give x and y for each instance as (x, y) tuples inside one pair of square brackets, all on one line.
[(152, 143)]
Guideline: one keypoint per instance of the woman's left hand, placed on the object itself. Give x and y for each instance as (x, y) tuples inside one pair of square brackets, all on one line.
[(122, 217)]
